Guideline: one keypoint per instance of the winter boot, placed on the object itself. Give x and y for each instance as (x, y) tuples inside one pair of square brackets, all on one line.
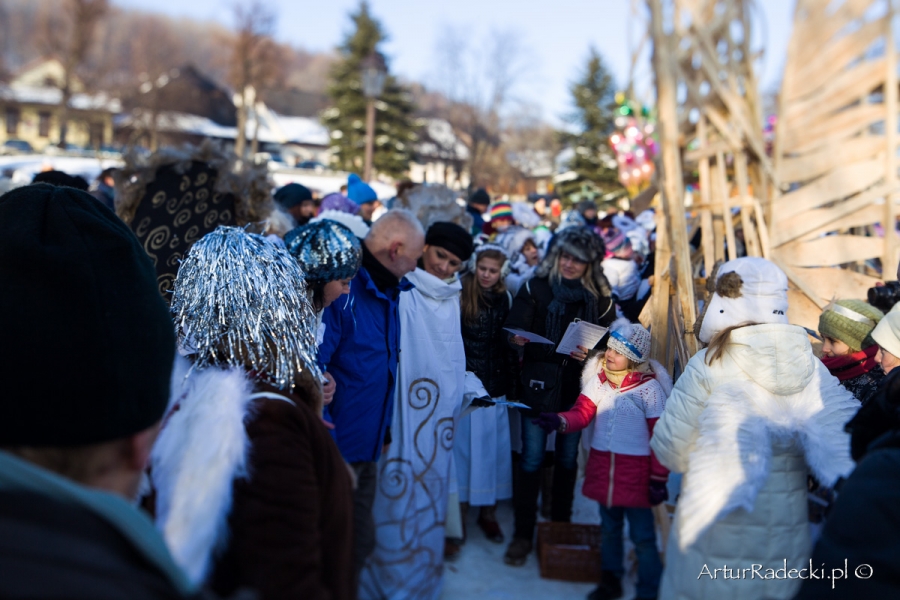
[(517, 552), (563, 493), (487, 520), (547, 492), (610, 587)]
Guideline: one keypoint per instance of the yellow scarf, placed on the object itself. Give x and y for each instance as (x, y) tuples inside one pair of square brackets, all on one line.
[(617, 377)]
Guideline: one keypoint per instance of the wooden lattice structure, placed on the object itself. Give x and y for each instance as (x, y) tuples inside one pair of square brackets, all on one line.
[(812, 202), (836, 151), (711, 132)]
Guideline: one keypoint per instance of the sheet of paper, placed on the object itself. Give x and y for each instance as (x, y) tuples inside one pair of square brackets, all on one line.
[(510, 404), (531, 337), (580, 333)]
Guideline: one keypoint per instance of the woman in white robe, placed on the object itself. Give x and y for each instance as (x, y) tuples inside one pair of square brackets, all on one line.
[(414, 476)]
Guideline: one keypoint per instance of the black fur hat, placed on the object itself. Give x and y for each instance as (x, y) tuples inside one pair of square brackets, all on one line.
[(583, 244)]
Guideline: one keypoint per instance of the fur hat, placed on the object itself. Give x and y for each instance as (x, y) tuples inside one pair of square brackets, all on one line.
[(326, 250), (583, 244), (480, 249), (851, 322), (432, 203), (747, 290), (175, 196), (631, 341)]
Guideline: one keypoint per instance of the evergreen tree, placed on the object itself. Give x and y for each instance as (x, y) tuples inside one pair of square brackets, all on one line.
[(593, 97), (395, 130)]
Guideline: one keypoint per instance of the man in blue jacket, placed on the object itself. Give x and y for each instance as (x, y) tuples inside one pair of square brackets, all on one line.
[(360, 349)]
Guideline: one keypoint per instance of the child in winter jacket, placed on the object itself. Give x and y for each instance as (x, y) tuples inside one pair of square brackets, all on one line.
[(623, 394)]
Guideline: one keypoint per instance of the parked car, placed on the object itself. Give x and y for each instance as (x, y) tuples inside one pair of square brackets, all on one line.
[(312, 165), (16, 147)]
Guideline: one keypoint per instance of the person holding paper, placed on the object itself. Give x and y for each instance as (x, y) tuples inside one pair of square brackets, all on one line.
[(569, 284), (622, 396), (481, 445)]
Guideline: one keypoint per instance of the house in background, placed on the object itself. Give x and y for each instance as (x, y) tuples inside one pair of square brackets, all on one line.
[(30, 107)]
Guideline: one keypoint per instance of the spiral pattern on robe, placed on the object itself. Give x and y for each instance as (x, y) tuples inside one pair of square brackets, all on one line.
[(422, 392), (395, 478)]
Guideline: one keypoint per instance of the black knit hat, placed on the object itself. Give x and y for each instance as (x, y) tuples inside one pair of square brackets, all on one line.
[(90, 341), (452, 238), (480, 197), (293, 194)]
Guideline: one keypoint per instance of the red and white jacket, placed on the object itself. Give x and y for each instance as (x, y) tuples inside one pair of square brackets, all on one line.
[(619, 423)]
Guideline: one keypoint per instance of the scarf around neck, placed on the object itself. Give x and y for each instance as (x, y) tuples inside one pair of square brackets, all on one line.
[(851, 365), (565, 292), (381, 277)]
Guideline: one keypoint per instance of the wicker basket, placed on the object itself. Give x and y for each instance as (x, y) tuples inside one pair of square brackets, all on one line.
[(569, 551)]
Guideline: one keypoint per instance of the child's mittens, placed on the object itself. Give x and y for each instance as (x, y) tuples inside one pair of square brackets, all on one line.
[(549, 422), (659, 492)]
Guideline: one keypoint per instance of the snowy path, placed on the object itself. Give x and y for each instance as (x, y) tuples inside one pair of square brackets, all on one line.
[(480, 572)]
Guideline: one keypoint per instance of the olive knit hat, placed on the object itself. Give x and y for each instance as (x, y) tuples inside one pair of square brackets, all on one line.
[(851, 322)]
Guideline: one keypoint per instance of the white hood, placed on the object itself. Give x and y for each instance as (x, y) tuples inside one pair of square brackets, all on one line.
[(778, 358)]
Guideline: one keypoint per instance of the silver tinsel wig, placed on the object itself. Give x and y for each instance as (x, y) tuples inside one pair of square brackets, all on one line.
[(240, 301)]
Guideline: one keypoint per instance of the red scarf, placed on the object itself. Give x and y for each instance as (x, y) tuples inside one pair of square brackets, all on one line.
[(851, 365)]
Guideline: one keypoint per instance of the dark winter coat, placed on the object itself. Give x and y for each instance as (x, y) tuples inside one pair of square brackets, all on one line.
[(863, 529), (291, 522), (863, 386), (61, 540), (551, 381), (488, 354)]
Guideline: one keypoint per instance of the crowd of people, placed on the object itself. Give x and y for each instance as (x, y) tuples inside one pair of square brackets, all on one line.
[(323, 404)]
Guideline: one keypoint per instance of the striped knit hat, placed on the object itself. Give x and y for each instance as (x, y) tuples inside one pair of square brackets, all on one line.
[(501, 210), (851, 322)]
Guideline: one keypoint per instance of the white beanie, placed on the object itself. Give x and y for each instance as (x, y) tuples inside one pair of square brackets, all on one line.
[(887, 333), (757, 293), (631, 340)]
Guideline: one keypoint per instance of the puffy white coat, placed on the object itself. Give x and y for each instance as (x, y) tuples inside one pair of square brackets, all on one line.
[(746, 431), (623, 277)]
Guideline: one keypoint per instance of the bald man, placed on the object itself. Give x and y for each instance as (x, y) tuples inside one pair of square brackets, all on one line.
[(360, 349)]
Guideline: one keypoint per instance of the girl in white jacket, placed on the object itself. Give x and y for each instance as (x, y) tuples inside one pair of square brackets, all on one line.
[(750, 416)]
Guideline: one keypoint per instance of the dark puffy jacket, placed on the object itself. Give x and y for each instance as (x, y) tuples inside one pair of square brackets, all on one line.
[(862, 531), (488, 354), (51, 548), (551, 381)]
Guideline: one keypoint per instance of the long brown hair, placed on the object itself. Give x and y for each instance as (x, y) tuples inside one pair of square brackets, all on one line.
[(472, 297), (720, 341)]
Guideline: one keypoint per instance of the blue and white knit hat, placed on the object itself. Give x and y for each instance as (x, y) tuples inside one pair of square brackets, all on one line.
[(327, 250), (631, 341)]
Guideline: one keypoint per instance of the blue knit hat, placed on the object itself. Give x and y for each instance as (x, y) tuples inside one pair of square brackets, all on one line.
[(327, 250), (359, 191)]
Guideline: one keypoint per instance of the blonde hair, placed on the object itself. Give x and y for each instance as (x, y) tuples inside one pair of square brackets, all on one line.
[(719, 343)]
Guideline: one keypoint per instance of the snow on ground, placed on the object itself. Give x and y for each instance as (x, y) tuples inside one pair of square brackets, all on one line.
[(479, 571)]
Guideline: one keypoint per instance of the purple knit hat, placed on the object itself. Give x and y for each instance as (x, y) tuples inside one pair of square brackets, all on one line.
[(339, 202)]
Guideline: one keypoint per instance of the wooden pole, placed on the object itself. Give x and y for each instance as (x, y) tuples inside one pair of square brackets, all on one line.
[(725, 191), (751, 243), (889, 260), (370, 138)]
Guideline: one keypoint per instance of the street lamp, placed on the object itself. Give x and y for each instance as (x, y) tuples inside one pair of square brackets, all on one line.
[(374, 72)]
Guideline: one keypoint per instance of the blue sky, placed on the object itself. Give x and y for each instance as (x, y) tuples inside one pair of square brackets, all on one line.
[(556, 33)]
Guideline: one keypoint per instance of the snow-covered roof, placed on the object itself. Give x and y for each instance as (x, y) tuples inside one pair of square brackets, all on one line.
[(24, 167), (51, 96), (533, 163), (274, 128), (439, 141)]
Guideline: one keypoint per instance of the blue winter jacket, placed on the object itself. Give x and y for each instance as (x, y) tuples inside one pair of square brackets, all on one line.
[(360, 349)]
